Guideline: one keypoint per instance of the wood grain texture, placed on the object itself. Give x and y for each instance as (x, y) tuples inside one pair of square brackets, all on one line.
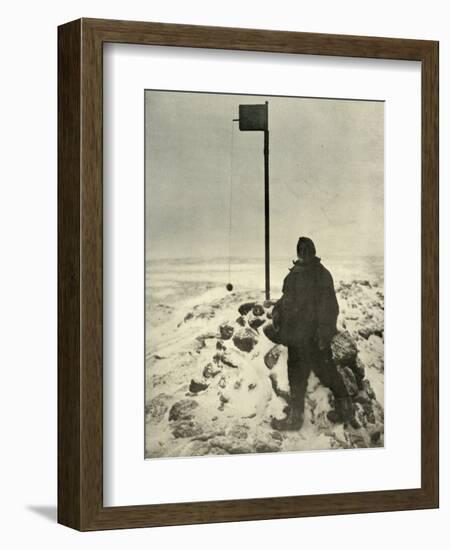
[(69, 245), (430, 272), (80, 265)]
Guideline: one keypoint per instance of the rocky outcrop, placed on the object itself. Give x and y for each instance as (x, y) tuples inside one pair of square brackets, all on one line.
[(256, 322), (241, 383), (197, 386), (157, 407), (211, 370), (349, 379), (344, 349), (226, 331), (183, 410), (229, 358), (268, 444), (272, 356), (246, 308), (258, 310), (186, 428), (245, 339)]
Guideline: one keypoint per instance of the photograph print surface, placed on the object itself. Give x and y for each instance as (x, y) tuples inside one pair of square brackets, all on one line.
[(264, 259)]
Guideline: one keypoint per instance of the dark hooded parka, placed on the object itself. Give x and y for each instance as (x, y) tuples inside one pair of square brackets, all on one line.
[(308, 309)]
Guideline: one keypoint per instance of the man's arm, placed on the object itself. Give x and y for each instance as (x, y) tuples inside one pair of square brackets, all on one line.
[(327, 308)]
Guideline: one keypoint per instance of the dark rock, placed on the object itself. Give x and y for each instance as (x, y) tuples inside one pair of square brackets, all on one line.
[(272, 356), (210, 370), (245, 308), (208, 434), (365, 332), (375, 437), (256, 323), (245, 339), (237, 384), (231, 445), (199, 448), (355, 424), (224, 399), (202, 339), (362, 397), (368, 389), (333, 416), (252, 386), (269, 303), (359, 370), (229, 361), (188, 316), (270, 333), (222, 382), (186, 428), (197, 385), (240, 321), (276, 435), (344, 349), (343, 284), (368, 412), (239, 432), (217, 451), (349, 379), (267, 445), (363, 283), (258, 310), (182, 410), (357, 440), (360, 415), (269, 315), (220, 346), (226, 331), (157, 407)]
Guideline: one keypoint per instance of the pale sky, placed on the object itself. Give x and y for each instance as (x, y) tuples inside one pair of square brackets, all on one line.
[(326, 176)]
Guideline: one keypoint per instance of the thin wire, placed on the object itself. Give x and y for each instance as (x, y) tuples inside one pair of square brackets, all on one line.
[(230, 217)]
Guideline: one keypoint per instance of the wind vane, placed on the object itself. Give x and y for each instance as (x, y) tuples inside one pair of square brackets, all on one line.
[(254, 118)]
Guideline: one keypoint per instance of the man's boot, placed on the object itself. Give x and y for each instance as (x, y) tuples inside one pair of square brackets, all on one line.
[(292, 422), (343, 410)]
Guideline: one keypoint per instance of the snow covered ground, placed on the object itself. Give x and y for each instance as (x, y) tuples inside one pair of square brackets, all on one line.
[(207, 393)]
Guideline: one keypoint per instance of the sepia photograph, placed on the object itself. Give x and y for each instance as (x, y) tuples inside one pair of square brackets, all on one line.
[(264, 274)]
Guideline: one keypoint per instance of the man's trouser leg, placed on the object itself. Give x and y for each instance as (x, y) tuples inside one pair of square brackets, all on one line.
[(325, 369), (299, 368)]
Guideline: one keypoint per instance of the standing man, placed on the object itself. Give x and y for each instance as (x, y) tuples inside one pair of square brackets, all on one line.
[(305, 321)]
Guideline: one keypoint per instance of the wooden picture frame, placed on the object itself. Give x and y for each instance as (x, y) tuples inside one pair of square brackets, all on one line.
[(80, 272)]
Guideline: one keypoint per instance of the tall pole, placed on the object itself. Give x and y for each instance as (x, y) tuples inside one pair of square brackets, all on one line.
[(256, 118), (266, 206)]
